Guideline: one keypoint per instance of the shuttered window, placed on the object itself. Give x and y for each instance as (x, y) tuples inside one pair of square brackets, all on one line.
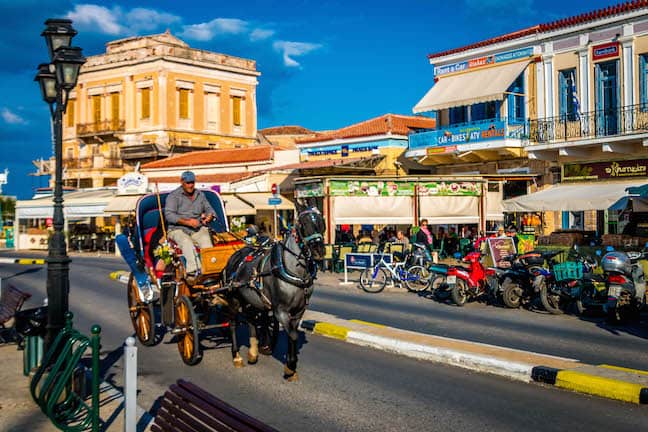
[(69, 112), (114, 106), (96, 108), (236, 110), (146, 103), (213, 110), (184, 103)]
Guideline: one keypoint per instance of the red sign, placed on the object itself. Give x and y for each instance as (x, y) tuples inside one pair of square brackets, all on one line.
[(48, 222), (607, 50)]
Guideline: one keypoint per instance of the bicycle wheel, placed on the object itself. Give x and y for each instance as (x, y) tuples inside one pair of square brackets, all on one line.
[(417, 279), (373, 279)]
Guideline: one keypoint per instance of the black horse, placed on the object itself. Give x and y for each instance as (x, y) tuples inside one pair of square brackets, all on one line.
[(277, 278)]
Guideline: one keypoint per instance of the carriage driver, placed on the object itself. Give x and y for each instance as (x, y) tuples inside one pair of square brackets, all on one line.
[(188, 212)]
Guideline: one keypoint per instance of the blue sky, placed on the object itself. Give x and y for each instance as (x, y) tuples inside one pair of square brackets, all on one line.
[(324, 63)]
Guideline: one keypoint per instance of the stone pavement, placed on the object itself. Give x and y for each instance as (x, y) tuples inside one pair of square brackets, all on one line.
[(19, 412)]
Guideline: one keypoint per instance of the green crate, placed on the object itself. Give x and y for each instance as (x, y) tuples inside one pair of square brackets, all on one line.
[(569, 270)]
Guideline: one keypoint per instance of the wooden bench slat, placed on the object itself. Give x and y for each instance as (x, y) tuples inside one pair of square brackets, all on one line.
[(170, 426), (11, 301), (213, 420), (223, 406), (172, 412)]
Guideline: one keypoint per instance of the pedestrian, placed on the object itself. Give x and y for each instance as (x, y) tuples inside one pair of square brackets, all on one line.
[(188, 213), (424, 236)]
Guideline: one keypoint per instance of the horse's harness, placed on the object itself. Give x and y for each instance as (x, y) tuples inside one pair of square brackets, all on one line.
[(260, 257)]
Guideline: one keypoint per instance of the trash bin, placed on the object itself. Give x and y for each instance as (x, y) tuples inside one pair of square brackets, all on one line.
[(31, 325)]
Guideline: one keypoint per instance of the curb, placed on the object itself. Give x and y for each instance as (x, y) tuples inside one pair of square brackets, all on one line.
[(24, 261), (611, 382)]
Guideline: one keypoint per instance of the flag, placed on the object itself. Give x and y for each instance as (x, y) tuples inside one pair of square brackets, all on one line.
[(574, 96)]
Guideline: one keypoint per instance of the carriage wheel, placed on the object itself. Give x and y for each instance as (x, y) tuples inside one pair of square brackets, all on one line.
[(187, 338), (269, 335), (142, 314)]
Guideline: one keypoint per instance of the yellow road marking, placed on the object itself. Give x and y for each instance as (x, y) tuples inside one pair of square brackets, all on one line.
[(619, 368), (31, 261), (332, 330), (367, 323), (598, 386)]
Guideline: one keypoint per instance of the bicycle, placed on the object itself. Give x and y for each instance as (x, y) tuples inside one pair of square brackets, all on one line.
[(374, 279)]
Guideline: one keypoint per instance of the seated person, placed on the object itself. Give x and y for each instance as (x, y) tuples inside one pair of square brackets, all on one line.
[(188, 212)]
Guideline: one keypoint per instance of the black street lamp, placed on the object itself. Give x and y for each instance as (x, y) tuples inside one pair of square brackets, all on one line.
[(56, 80)]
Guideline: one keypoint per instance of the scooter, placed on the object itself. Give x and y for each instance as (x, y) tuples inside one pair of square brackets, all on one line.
[(518, 287), (465, 283), (625, 283)]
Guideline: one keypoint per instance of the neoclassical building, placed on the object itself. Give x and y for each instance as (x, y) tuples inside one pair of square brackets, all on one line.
[(150, 97)]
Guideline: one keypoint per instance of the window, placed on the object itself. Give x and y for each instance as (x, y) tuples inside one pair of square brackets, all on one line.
[(567, 108), (146, 103), (96, 108), (183, 109), (458, 114), (484, 111), (516, 100), (114, 107), (236, 110), (213, 110), (69, 111), (643, 81)]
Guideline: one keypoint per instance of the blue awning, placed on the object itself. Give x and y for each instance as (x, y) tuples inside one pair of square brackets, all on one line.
[(621, 204)]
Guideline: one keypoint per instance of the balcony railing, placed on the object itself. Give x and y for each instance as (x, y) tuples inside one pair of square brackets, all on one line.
[(93, 162), (101, 128), (589, 125), (465, 133)]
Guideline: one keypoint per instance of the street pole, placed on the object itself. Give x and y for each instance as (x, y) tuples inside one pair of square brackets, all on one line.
[(275, 221), (58, 262)]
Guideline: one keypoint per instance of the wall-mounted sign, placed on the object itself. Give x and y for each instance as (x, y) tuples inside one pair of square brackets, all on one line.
[(486, 131), (345, 151), (606, 50), (443, 188), (483, 61), (605, 170), (306, 190), (132, 183), (431, 151), (370, 188)]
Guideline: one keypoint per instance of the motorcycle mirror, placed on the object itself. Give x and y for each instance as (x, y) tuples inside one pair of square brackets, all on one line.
[(598, 252), (609, 249), (457, 255)]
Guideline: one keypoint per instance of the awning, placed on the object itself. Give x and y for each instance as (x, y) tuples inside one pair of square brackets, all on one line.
[(441, 210), (494, 208), (234, 206), (379, 210), (637, 204), (259, 200), (122, 204), (571, 197), (469, 88), (78, 204)]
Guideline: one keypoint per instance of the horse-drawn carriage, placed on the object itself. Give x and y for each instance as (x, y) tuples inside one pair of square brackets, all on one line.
[(269, 284), (158, 277)]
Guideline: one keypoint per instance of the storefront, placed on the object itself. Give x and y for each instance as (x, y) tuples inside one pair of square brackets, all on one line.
[(400, 202)]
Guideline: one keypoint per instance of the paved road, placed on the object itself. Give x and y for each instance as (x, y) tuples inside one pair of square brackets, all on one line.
[(342, 387)]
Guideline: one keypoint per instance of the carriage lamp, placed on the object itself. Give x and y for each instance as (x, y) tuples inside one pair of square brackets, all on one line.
[(56, 80)]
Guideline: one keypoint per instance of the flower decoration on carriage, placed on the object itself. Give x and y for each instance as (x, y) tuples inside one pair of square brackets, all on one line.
[(164, 252)]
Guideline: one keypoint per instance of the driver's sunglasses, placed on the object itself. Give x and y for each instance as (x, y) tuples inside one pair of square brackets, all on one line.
[(191, 182)]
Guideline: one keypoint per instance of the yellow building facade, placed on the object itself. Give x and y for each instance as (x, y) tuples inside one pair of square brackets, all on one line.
[(150, 97)]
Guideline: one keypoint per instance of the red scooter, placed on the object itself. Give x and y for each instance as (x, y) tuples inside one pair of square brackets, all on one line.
[(471, 282)]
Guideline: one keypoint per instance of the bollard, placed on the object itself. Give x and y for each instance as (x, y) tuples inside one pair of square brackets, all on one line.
[(130, 385)]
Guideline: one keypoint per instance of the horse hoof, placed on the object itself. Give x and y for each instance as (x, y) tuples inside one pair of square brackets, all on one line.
[(238, 363), (290, 375), (252, 360), (265, 350)]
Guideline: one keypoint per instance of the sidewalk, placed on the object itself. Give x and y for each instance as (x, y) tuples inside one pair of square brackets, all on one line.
[(19, 412)]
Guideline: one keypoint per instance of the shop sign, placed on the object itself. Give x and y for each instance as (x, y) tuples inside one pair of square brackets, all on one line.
[(483, 61), (370, 188), (607, 50), (306, 190), (443, 188), (344, 150), (605, 170), (478, 132), (132, 183), (431, 151), (364, 260), (501, 248)]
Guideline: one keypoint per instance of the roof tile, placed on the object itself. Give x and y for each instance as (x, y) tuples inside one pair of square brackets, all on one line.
[(214, 157)]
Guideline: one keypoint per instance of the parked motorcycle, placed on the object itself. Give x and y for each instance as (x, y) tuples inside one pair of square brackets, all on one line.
[(465, 283), (571, 283), (625, 283), (517, 287)]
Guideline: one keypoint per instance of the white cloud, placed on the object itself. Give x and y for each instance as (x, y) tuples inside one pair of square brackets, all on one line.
[(294, 49), (107, 21), (10, 117), (218, 26), (259, 34), (93, 16)]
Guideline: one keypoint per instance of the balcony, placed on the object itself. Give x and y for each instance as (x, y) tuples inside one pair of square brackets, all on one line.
[(481, 132), (96, 129), (590, 125), (92, 162)]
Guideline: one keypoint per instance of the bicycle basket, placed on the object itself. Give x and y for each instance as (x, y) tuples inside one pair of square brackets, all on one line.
[(568, 270)]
